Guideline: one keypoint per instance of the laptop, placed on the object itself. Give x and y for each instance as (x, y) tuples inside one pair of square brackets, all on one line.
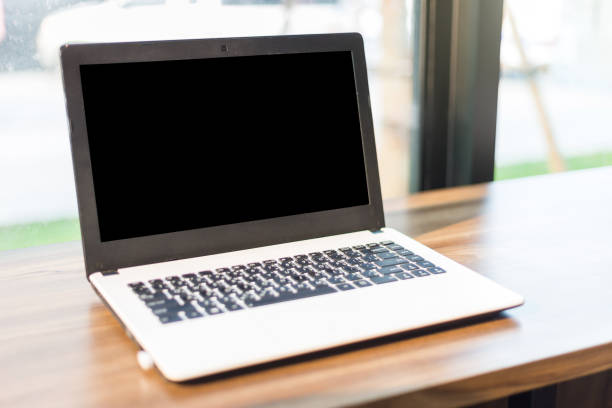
[(230, 203)]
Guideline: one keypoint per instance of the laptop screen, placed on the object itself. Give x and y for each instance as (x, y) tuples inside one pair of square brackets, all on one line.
[(187, 144)]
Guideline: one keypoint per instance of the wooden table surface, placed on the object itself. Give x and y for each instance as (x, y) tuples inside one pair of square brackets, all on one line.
[(548, 238)]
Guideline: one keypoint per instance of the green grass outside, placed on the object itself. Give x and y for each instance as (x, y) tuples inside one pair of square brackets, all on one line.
[(41, 233), (541, 167)]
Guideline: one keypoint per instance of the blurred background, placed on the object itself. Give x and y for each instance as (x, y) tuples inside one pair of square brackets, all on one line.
[(555, 90)]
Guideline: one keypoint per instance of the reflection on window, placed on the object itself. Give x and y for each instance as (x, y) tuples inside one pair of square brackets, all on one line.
[(38, 203), (556, 87)]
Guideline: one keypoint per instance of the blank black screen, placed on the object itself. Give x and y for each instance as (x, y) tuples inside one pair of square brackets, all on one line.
[(186, 144)]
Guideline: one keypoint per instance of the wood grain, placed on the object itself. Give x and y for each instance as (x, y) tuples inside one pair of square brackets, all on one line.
[(547, 238), (593, 391)]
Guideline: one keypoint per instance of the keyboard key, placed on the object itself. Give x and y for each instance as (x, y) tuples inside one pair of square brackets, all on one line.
[(169, 318), (205, 291), (350, 269), (320, 282), (336, 280), (267, 297), (436, 270), (391, 261), (361, 283), (415, 258), (281, 280), (386, 255), (148, 296), (380, 250), (233, 307), (371, 272), (226, 299), (304, 286), (367, 266), (353, 277), (354, 261), (298, 277), (142, 290), (169, 303), (156, 284), (387, 243), (404, 275), (283, 297), (191, 313), (186, 297), (382, 279), (396, 247), (272, 268), (334, 272), (405, 252), (345, 286), (409, 266), (162, 311), (285, 289), (425, 264), (155, 303), (211, 309), (419, 273), (389, 270)]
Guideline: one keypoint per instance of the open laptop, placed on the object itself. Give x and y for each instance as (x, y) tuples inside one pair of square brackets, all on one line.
[(230, 203)]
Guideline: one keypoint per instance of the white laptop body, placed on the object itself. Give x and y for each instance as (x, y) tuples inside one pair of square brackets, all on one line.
[(230, 203)]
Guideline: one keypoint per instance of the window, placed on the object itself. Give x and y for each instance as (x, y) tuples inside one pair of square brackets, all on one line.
[(37, 197), (555, 91)]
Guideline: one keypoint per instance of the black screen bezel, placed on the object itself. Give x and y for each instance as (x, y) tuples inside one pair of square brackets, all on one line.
[(102, 256)]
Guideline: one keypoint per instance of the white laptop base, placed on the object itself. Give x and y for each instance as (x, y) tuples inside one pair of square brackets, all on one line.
[(193, 348)]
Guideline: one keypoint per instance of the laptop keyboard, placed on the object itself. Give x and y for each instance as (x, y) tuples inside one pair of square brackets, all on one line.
[(204, 293)]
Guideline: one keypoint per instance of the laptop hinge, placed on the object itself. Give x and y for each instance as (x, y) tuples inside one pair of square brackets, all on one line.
[(109, 272), (377, 231)]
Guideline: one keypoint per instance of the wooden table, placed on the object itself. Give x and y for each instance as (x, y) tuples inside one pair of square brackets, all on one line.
[(548, 238)]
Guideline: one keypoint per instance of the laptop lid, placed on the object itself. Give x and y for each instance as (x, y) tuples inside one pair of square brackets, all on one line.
[(194, 147)]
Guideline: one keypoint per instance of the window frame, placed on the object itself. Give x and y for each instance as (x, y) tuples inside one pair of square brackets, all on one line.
[(456, 65)]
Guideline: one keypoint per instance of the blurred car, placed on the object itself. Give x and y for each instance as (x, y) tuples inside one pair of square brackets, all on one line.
[(2, 26), (140, 20), (20, 19)]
